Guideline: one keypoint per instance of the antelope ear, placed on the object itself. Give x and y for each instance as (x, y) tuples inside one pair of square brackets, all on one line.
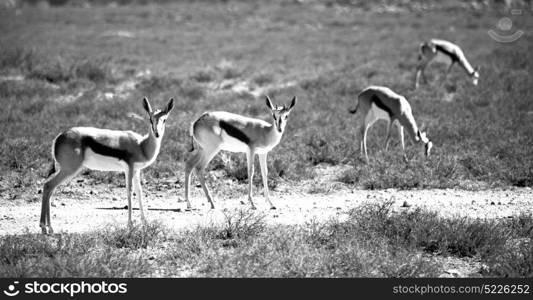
[(293, 103), (269, 103), (170, 105), (146, 105)]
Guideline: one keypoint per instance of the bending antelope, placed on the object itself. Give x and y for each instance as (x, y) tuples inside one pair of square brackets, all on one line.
[(443, 51), (105, 150), (215, 131), (377, 102)]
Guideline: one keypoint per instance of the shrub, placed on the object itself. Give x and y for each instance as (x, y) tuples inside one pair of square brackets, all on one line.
[(206, 75), (136, 237), (241, 224), (418, 228), (516, 262)]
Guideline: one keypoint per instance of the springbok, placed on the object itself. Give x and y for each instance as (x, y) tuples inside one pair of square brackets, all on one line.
[(446, 52), (220, 130), (378, 102), (105, 150)]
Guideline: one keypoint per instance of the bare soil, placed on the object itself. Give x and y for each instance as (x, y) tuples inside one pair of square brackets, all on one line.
[(84, 205)]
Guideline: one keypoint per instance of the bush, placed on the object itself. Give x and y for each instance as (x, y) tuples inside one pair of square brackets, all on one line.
[(418, 228), (138, 236), (18, 58), (242, 224), (517, 262)]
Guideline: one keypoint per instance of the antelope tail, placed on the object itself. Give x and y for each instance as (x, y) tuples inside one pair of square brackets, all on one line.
[(52, 170), (354, 110), (191, 133), (192, 144)]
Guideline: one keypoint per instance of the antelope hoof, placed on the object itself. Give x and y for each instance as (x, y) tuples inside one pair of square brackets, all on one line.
[(47, 231), (429, 145)]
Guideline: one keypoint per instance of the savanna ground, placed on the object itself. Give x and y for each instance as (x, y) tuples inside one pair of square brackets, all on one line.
[(466, 211)]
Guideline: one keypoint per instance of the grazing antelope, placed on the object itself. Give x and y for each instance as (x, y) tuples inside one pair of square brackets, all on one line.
[(377, 102), (443, 51), (105, 150), (220, 130)]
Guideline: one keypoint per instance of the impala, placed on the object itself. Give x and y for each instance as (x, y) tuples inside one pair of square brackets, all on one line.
[(377, 102), (447, 52), (105, 150), (220, 130)]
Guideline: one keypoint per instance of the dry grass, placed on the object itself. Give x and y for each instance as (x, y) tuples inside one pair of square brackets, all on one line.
[(373, 242)]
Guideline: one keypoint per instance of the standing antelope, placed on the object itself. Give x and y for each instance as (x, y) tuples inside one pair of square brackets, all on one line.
[(443, 51), (220, 130), (105, 150), (377, 102)]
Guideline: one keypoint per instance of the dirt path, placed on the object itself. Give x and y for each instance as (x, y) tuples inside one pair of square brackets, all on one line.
[(82, 206)]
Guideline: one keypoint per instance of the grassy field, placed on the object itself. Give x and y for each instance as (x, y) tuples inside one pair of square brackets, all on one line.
[(67, 66), (482, 137)]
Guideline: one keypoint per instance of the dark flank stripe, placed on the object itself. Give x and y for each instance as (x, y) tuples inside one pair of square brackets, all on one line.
[(99, 148), (381, 105), (234, 132), (446, 52)]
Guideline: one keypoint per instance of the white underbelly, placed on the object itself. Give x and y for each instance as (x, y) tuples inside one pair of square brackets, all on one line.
[(95, 161), (379, 114), (232, 144), (441, 58), (264, 150)]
